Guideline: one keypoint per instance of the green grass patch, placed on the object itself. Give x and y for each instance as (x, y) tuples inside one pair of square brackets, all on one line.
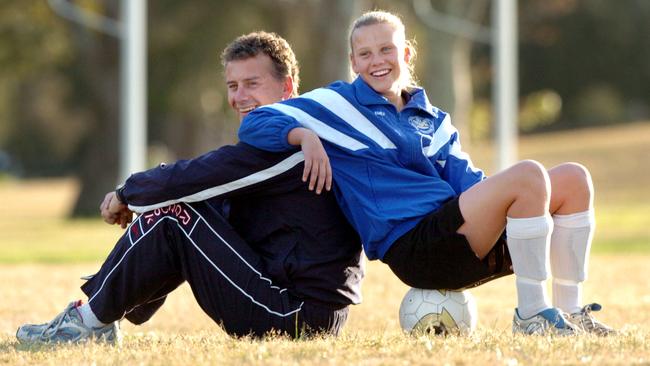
[(624, 246), (622, 228), (57, 241)]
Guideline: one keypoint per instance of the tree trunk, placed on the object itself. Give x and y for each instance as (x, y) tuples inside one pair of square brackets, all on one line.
[(98, 82), (335, 63), (462, 72), (449, 65)]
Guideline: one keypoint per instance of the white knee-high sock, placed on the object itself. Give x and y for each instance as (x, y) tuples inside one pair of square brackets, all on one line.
[(570, 246), (528, 244)]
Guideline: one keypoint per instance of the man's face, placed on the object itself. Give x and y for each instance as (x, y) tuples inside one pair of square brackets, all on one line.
[(251, 84)]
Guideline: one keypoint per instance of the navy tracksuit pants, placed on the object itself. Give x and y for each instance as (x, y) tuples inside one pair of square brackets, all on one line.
[(192, 242)]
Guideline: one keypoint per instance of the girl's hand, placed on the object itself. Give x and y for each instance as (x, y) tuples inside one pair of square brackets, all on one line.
[(317, 163)]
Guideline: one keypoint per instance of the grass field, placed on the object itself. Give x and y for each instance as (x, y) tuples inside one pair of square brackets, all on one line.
[(42, 256), (182, 335), (617, 158)]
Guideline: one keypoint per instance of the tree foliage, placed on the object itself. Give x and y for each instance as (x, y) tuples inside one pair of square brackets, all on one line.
[(581, 63)]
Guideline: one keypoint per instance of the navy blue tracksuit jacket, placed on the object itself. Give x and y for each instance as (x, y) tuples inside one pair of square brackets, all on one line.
[(286, 260)]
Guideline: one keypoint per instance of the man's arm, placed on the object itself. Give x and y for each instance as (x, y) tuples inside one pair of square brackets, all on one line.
[(227, 172), (113, 211)]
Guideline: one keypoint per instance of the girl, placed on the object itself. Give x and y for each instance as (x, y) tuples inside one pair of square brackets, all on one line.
[(417, 201)]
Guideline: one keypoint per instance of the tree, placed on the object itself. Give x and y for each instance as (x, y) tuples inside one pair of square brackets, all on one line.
[(454, 30), (96, 83)]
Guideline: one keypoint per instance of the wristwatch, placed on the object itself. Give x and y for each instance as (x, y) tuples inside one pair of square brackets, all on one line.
[(119, 192)]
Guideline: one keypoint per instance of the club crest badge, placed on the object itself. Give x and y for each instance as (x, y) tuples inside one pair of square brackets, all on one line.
[(422, 125)]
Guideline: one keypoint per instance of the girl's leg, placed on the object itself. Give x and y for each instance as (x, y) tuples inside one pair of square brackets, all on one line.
[(573, 217), (521, 191), (517, 199)]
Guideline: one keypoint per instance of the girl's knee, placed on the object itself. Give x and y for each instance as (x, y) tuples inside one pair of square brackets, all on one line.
[(577, 172), (532, 177), (574, 175)]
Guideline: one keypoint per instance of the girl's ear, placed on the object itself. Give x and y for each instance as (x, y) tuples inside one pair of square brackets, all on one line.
[(353, 64), (407, 54)]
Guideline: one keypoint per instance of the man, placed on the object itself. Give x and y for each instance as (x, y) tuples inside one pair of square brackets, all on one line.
[(287, 261)]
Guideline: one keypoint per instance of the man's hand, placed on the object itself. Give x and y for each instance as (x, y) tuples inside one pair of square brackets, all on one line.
[(115, 212), (317, 163)]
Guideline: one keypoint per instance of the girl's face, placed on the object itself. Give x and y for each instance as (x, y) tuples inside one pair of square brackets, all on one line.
[(380, 56)]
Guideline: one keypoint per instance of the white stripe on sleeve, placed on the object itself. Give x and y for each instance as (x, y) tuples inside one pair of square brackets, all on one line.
[(441, 137), (246, 181), (455, 150), (338, 105), (324, 131)]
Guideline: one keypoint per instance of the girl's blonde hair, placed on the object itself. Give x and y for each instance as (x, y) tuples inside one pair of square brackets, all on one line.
[(384, 17)]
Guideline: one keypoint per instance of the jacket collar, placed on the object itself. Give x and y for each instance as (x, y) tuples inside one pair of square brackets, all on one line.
[(420, 101), (368, 96)]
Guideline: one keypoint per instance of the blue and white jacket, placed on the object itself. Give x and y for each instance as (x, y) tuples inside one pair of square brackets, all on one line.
[(391, 168)]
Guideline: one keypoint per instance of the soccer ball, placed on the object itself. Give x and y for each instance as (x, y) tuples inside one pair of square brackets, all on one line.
[(438, 311)]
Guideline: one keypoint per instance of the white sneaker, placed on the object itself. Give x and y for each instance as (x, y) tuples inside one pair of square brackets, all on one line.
[(68, 327), (549, 321), (585, 321)]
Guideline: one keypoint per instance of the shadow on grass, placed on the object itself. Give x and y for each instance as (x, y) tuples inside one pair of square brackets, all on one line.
[(14, 345), (8, 345)]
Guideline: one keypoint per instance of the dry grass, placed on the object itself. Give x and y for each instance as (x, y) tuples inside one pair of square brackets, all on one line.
[(35, 237), (181, 334), (35, 229), (617, 158)]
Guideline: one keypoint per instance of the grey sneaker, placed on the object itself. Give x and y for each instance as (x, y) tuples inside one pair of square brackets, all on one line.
[(549, 321), (585, 321), (68, 327)]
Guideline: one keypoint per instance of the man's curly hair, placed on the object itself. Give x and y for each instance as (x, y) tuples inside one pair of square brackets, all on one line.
[(270, 44)]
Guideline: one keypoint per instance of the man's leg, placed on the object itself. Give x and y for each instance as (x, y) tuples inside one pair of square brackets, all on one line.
[(143, 312), (182, 242), (193, 243)]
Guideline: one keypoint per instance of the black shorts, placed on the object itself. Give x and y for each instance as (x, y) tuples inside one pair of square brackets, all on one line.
[(434, 256)]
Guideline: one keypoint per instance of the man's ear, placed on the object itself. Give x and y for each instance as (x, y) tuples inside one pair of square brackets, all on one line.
[(287, 91)]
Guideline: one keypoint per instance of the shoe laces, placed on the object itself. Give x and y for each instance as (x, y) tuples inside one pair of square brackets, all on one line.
[(566, 325), (585, 312), (591, 307), (55, 324), (587, 320)]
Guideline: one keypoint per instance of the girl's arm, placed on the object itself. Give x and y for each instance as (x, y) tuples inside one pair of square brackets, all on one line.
[(271, 130), (317, 164), (267, 129), (459, 170)]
